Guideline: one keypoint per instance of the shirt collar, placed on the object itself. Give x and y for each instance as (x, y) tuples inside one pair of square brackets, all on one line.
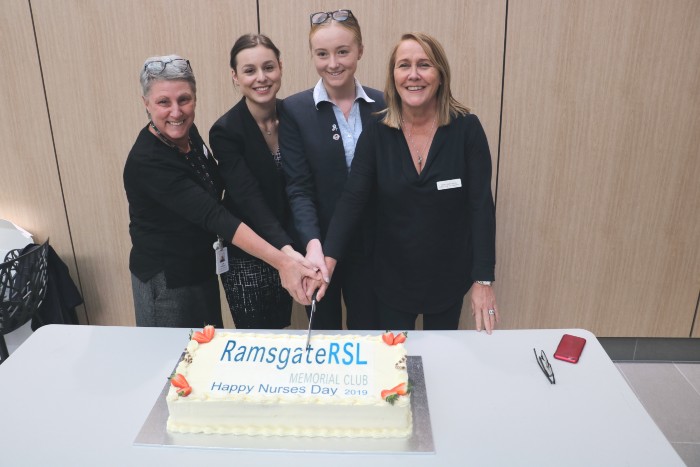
[(321, 95)]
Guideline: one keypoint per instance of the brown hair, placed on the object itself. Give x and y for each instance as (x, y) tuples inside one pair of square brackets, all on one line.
[(248, 41), (447, 106)]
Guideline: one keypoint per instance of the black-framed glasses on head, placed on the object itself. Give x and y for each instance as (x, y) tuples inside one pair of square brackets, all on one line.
[(323, 16), (544, 365), (157, 67)]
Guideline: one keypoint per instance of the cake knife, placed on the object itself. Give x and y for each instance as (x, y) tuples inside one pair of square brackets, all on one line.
[(311, 317)]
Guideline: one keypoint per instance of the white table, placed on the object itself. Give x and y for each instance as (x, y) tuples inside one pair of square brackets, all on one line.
[(78, 395), (12, 237)]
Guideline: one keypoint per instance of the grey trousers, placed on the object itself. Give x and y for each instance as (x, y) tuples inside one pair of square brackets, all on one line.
[(184, 307)]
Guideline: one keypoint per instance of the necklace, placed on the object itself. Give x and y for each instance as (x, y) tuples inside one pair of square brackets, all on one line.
[(167, 140), (267, 131), (420, 153)]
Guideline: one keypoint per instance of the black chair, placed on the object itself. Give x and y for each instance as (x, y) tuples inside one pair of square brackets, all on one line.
[(23, 277)]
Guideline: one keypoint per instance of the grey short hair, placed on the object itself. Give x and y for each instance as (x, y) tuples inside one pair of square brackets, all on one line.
[(170, 72)]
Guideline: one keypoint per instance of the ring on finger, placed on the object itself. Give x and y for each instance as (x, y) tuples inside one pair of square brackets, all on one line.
[(492, 312)]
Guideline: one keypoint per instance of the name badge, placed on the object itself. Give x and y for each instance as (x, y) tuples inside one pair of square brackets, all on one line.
[(448, 184), (221, 257)]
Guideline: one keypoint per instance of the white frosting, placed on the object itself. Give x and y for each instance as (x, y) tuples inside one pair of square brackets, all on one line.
[(268, 384)]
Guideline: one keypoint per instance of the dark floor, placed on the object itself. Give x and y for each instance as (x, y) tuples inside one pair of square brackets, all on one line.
[(665, 376)]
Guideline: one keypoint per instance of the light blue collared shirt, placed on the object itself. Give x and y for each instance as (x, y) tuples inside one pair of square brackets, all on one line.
[(349, 129)]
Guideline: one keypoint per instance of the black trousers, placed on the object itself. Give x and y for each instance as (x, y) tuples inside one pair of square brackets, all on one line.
[(352, 280), (394, 319)]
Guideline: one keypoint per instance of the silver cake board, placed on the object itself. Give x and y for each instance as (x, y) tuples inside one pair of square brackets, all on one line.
[(153, 433)]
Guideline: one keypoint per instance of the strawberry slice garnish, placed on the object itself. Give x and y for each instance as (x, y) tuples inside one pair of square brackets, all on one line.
[(401, 389), (388, 338), (205, 335), (183, 387), (200, 337), (179, 381), (208, 331), (393, 394), (400, 338)]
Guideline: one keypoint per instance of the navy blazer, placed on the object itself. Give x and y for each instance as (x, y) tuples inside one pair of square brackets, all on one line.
[(314, 161), (254, 185)]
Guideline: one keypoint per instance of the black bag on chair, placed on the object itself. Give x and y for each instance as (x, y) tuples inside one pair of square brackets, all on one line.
[(62, 295)]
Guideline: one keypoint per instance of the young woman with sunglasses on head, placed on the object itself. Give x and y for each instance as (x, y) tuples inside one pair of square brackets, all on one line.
[(174, 191), (319, 128), (245, 143)]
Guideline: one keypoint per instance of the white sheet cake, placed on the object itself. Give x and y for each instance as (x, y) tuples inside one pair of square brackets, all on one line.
[(270, 385)]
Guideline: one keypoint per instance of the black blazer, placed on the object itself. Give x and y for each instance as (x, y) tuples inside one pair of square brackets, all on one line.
[(314, 162), (254, 185), (435, 231)]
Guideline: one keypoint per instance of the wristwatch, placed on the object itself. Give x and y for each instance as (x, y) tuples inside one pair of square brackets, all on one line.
[(486, 283)]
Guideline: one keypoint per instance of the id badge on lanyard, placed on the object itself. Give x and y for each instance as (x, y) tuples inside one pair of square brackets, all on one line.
[(221, 256)]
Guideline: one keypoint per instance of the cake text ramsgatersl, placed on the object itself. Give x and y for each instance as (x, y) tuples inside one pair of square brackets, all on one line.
[(350, 355)]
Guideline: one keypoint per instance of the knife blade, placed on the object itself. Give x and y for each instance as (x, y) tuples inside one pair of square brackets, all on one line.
[(311, 318)]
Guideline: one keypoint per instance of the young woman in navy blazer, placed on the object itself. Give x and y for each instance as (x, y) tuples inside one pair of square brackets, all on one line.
[(319, 128)]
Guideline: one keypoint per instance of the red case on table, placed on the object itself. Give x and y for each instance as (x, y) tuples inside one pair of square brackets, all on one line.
[(570, 348)]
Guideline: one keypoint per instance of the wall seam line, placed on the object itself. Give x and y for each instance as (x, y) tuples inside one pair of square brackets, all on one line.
[(257, 11), (695, 316), (55, 154), (500, 116)]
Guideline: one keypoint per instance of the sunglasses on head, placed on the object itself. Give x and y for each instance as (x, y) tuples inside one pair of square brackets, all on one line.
[(157, 66), (323, 16)]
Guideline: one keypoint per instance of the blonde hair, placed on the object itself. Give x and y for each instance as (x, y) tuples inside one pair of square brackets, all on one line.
[(447, 106), (351, 24)]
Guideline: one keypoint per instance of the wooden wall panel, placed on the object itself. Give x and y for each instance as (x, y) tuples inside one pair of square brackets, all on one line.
[(30, 191), (598, 193), (472, 33), (92, 52), (599, 190)]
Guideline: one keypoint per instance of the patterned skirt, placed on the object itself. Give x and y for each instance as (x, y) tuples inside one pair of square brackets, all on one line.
[(255, 295)]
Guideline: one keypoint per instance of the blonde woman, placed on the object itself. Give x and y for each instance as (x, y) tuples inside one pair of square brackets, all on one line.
[(428, 162)]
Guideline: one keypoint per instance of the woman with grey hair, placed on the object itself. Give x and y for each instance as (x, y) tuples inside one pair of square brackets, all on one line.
[(174, 191)]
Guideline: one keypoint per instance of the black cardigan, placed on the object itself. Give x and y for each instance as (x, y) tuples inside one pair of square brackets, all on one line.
[(431, 243), (255, 188), (174, 219)]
